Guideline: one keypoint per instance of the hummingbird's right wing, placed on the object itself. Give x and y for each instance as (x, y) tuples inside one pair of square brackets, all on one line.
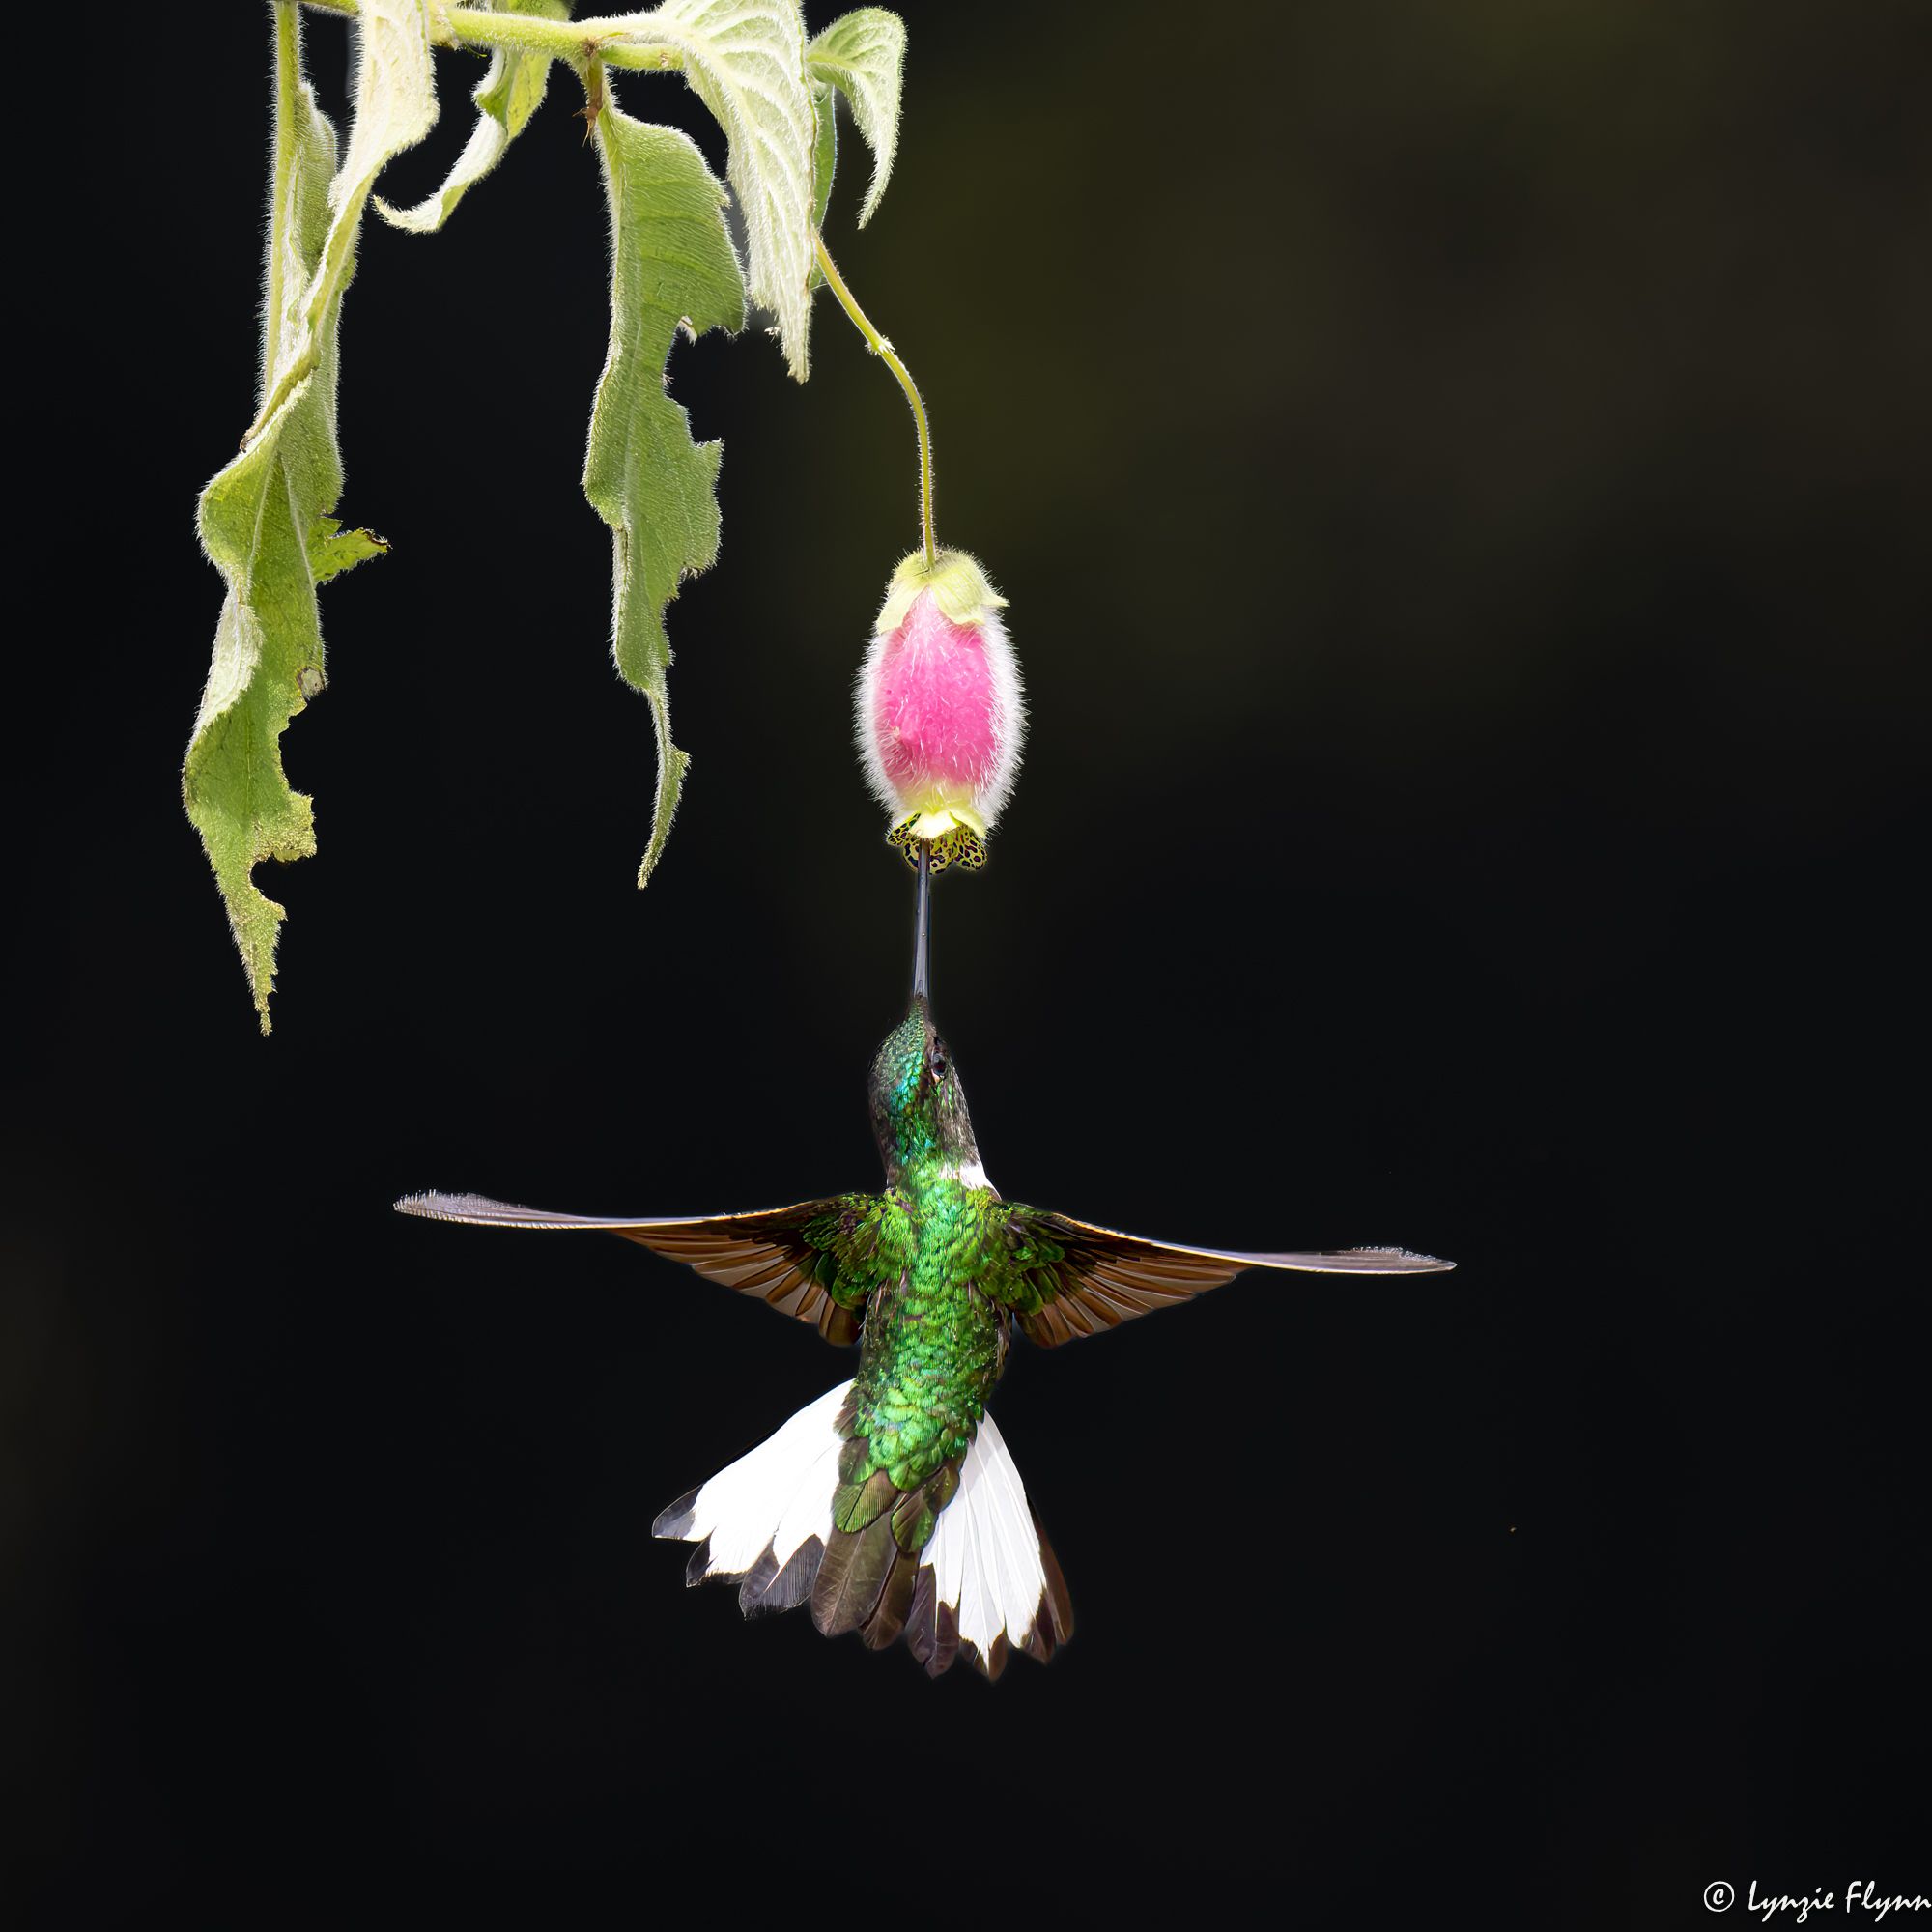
[(817, 1259), (1071, 1278)]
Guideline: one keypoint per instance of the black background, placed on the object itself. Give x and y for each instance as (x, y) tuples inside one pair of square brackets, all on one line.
[(1454, 472)]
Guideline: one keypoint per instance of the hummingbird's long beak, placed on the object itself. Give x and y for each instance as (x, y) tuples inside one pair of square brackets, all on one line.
[(922, 928)]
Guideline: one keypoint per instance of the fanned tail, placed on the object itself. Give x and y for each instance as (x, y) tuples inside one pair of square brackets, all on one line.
[(956, 1566)]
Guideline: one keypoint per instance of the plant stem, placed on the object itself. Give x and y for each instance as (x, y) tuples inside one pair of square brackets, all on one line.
[(883, 349), (609, 38), (288, 65)]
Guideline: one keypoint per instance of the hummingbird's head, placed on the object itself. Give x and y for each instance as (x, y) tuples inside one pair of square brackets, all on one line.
[(919, 1107)]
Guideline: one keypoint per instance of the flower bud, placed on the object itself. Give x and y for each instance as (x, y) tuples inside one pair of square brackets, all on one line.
[(941, 715)]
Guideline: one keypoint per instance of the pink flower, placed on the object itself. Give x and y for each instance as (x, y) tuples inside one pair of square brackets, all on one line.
[(940, 712)]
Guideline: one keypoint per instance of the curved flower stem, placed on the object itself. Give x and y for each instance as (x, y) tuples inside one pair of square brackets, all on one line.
[(882, 348)]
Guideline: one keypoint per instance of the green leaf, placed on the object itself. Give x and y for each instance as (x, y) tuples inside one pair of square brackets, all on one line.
[(746, 60), (674, 268), (256, 518), (863, 55), (332, 550), (264, 519), (509, 93)]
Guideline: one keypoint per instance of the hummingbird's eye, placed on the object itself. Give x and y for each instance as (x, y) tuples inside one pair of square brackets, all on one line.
[(937, 1065)]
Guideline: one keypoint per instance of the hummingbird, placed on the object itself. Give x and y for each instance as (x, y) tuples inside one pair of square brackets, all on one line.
[(891, 1503)]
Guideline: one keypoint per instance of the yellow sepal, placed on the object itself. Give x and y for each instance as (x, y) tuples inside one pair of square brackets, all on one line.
[(958, 585)]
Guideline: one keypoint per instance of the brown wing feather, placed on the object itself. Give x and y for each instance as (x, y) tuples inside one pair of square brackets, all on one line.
[(762, 1254), (1104, 1277)]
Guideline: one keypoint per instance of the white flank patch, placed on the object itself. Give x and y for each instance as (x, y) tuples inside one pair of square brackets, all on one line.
[(984, 1552), (779, 1493)]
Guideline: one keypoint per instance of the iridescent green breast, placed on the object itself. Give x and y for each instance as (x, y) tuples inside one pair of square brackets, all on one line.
[(935, 1343)]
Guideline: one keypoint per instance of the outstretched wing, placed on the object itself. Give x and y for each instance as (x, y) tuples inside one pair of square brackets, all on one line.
[(1067, 1278), (818, 1260)]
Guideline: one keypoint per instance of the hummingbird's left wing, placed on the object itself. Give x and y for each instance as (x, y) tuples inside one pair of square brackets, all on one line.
[(816, 1259), (1070, 1278)]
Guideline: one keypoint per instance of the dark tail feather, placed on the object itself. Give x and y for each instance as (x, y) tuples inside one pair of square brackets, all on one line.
[(768, 1589), (1059, 1603), (853, 1576), (675, 1519), (921, 1630), (889, 1618)]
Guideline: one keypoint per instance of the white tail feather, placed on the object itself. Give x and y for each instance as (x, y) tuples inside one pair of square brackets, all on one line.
[(777, 1497), (1019, 1539), (984, 1554)]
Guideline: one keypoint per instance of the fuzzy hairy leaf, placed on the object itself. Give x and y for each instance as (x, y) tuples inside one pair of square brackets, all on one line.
[(863, 55), (510, 92), (264, 519), (256, 519), (332, 550), (672, 266), (746, 60)]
